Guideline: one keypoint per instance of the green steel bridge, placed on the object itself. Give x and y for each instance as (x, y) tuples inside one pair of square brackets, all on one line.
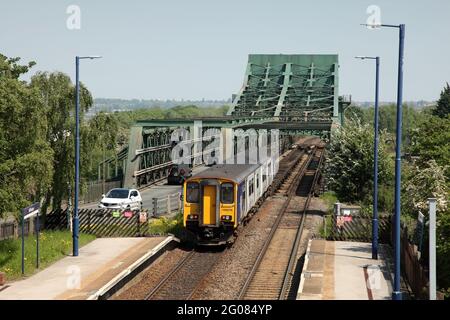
[(296, 94)]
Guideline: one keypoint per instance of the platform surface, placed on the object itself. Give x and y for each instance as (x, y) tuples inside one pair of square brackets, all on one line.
[(341, 270), (80, 277)]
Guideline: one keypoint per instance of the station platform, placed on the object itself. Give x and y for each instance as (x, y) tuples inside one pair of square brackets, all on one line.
[(341, 270), (100, 268)]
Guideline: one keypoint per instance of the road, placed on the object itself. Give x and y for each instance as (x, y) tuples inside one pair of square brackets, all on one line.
[(158, 190)]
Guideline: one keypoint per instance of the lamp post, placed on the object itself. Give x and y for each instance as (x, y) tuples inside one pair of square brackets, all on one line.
[(396, 294), (375, 159), (75, 224)]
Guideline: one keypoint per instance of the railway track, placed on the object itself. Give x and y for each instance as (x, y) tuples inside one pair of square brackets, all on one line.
[(180, 283), (271, 274)]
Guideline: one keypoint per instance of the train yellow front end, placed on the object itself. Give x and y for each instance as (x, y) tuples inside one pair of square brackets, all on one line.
[(217, 200), (210, 207)]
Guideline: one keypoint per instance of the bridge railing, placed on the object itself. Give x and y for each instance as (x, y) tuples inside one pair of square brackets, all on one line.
[(166, 205)]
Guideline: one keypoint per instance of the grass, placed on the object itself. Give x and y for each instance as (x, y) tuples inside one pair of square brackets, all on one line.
[(165, 225), (330, 199), (325, 228), (53, 245)]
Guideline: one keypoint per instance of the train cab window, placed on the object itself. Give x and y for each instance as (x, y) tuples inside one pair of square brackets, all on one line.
[(227, 193), (192, 192)]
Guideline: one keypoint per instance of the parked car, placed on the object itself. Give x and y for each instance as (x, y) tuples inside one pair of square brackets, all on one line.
[(120, 198), (179, 173)]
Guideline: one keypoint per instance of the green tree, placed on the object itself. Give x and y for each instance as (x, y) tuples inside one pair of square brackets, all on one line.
[(25, 156), (57, 94), (100, 136), (442, 109), (421, 183), (430, 140), (349, 164)]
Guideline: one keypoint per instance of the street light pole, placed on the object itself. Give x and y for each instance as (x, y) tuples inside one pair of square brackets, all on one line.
[(75, 224), (375, 160), (375, 167), (396, 294)]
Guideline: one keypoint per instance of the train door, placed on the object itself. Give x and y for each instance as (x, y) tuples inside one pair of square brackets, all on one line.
[(257, 184), (244, 201), (209, 204), (251, 190), (264, 178), (270, 172)]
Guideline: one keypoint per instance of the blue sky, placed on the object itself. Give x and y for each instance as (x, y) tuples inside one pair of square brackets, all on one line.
[(198, 49)]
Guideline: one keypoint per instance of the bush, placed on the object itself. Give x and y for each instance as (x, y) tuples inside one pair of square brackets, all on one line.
[(349, 164)]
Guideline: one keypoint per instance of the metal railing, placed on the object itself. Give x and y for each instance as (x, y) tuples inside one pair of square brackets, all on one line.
[(95, 190), (166, 205)]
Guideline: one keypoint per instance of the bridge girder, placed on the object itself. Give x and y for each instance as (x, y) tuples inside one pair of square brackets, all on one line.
[(296, 94), (290, 87)]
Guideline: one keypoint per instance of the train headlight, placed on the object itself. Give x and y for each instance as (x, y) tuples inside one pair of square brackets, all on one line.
[(227, 218), (193, 217)]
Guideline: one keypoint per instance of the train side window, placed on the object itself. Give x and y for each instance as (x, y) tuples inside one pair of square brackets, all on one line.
[(251, 186), (257, 181), (192, 192), (264, 177), (227, 193)]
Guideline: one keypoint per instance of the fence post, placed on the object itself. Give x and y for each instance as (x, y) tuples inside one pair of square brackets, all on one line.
[(16, 230), (155, 207), (168, 204), (138, 223), (432, 244), (89, 221)]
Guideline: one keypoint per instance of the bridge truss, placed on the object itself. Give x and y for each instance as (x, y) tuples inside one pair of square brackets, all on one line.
[(296, 94)]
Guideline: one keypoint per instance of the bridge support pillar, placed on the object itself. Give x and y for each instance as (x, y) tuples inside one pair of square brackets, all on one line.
[(227, 146), (135, 142)]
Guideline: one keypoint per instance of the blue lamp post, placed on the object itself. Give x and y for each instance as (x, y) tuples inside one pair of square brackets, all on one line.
[(375, 159), (77, 153), (396, 294)]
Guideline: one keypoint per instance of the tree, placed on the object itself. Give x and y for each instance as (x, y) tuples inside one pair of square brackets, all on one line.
[(442, 109), (422, 183), (25, 156), (349, 164), (100, 135), (430, 140), (57, 94)]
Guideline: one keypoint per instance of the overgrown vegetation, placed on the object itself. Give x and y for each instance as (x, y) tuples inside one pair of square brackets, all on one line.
[(164, 225), (425, 167), (53, 245), (349, 164)]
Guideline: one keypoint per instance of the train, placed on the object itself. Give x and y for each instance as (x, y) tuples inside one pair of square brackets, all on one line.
[(218, 200)]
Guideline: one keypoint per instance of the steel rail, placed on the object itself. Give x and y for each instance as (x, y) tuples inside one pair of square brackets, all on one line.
[(169, 275), (293, 256), (291, 191)]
